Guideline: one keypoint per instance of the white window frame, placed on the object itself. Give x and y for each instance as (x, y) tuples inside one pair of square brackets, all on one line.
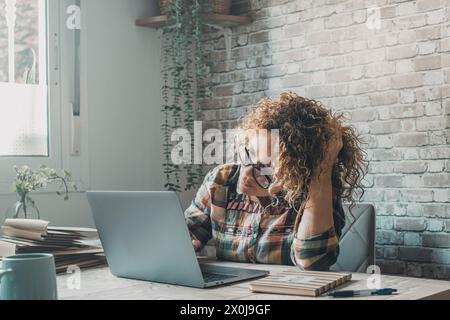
[(60, 115)]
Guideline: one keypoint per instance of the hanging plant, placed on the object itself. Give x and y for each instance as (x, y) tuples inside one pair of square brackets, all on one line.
[(184, 74)]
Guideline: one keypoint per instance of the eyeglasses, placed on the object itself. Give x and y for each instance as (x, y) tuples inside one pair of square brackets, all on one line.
[(263, 180)]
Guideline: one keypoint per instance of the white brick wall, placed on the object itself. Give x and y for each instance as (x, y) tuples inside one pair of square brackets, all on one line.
[(393, 84)]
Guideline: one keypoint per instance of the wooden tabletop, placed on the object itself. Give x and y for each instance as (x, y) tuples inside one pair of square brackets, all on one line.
[(100, 284)]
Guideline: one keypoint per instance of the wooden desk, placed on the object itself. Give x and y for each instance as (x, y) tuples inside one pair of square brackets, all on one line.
[(101, 284)]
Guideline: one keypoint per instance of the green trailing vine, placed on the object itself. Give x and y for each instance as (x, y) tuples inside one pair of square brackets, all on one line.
[(184, 75), (201, 70)]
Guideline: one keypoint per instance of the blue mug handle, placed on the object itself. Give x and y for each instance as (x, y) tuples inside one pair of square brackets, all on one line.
[(4, 273)]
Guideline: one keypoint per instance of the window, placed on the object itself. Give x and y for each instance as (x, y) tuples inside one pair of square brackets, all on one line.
[(42, 107), (23, 78)]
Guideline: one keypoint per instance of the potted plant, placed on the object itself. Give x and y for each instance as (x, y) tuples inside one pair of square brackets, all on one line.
[(27, 181), (185, 82), (218, 6)]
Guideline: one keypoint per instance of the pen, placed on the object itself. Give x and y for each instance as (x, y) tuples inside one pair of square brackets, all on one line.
[(354, 293)]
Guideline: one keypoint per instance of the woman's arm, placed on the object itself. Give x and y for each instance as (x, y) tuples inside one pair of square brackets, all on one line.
[(318, 214), (198, 215), (316, 244)]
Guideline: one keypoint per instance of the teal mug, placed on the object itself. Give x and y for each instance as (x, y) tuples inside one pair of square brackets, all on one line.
[(28, 277)]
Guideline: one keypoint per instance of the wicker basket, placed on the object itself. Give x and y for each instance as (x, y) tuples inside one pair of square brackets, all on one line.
[(164, 6), (218, 6), (221, 6)]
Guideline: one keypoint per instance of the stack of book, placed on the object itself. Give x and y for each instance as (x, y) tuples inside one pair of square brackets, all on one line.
[(79, 247), (302, 283)]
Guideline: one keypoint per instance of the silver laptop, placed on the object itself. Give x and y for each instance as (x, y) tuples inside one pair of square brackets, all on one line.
[(145, 237)]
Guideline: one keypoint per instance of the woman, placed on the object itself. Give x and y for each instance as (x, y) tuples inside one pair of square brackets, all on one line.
[(294, 215)]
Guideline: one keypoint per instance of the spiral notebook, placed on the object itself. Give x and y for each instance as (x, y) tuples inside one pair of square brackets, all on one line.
[(303, 283)]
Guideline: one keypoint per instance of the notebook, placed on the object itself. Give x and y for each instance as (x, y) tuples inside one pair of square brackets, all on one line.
[(303, 283)]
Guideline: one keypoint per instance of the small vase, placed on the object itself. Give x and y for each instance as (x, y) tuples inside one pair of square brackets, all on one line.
[(24, 208)]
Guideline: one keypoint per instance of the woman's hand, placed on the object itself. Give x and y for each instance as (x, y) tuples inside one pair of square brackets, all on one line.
[(335, 146), (274, 188), (197, 245)]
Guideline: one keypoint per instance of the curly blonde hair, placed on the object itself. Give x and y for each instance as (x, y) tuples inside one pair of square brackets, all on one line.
[(305, 129)]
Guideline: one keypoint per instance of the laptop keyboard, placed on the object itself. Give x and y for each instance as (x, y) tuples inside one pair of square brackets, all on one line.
[(211, 277)]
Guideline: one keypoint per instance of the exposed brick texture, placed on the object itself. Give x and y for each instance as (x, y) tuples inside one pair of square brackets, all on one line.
[(393, 85)]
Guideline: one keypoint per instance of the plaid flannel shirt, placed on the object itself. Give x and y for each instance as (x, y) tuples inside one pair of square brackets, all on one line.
[(244, 231)]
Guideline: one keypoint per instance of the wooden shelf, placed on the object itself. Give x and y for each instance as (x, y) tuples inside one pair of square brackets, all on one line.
[(220, 20)]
